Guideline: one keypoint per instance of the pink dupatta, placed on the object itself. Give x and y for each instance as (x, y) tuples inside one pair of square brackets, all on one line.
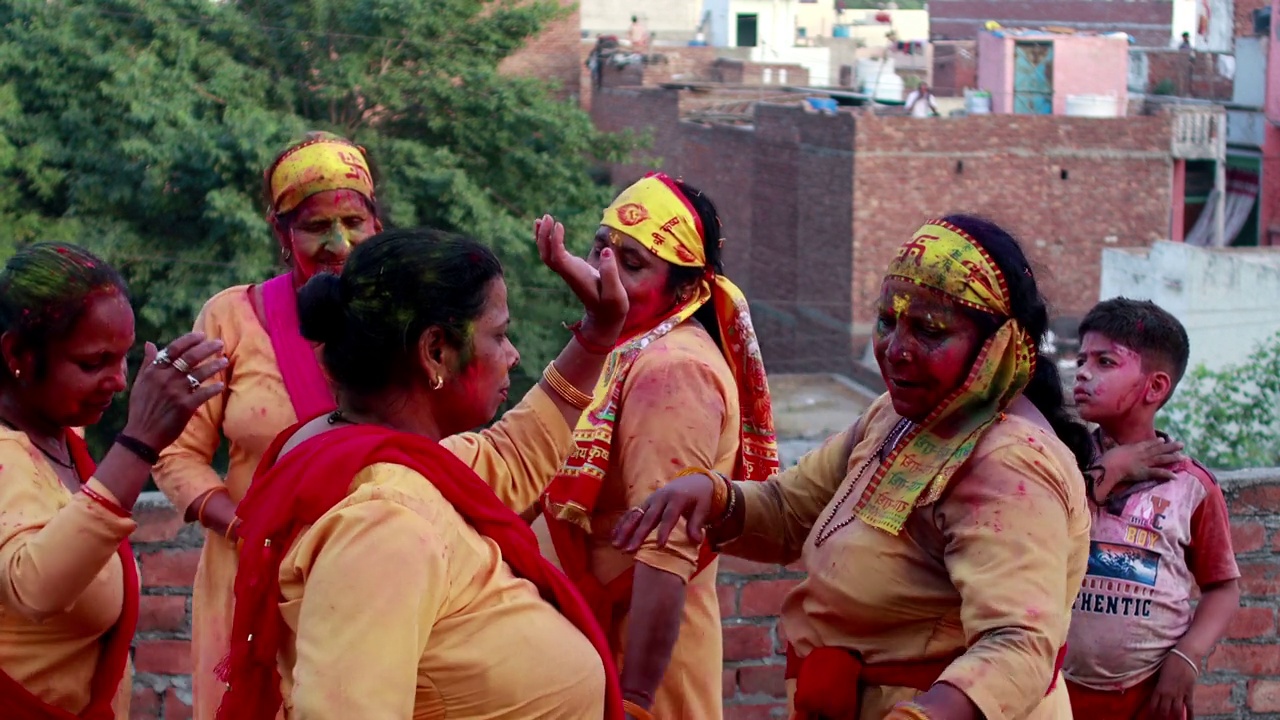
[(296, 357)]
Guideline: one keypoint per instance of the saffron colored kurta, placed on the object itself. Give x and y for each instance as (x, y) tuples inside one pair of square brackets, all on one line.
[(990, 570), (679, 409), (518, 456), (61, 581), (397, 608)]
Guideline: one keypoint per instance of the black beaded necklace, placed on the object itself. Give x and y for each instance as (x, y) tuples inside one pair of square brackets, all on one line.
[(68, 463), (825, 531)]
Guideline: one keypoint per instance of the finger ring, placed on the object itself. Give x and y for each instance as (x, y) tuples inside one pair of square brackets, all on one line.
[(193, 383), (181, 366), (162, 358), (638, 510)]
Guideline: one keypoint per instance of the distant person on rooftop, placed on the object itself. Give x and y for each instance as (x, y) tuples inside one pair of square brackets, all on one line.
[(920, 102), (638, 35)]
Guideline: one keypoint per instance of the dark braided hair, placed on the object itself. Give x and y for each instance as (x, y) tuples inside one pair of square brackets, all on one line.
[(712, 239)]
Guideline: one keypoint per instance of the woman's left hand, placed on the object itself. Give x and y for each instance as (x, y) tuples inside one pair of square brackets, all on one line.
[(603, 297), (1174, 691)]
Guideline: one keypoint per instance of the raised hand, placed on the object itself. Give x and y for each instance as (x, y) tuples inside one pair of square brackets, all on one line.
[(171, 386), (604, 300)]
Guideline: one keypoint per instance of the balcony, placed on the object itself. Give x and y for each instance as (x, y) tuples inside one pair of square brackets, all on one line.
[(1199, 132)]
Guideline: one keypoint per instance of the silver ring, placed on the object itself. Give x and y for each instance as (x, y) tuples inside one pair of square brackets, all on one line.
[(193, 383), (162, 358), (181, 366), (638, 509)]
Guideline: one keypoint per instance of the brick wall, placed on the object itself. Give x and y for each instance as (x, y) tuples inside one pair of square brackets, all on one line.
[(1066, 187), (955, 68), (553, 54), (1187, 74), (1241, 678)]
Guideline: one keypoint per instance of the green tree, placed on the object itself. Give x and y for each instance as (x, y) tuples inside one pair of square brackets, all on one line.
[(1230, 418), (140, 129)]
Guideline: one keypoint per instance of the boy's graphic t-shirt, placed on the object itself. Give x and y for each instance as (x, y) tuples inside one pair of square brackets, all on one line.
[(1144, 564)]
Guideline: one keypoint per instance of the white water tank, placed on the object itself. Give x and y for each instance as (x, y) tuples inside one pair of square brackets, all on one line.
[(869, 69), (889, 86), (1098, 106), (977, 103)]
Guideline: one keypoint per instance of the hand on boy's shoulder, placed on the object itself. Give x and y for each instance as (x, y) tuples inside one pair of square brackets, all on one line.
[(1149, 460)]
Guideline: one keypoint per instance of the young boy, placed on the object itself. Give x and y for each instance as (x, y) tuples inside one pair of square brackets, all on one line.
[(1160, 529)]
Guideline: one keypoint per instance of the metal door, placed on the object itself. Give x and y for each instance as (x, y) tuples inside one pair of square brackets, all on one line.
[(1033, 78)]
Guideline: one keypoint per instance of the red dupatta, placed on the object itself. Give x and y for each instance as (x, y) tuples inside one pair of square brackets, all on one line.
[(304, 380), (292, 492), (17, 703)]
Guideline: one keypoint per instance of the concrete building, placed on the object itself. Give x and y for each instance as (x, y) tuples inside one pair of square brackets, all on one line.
[(1032, 72)]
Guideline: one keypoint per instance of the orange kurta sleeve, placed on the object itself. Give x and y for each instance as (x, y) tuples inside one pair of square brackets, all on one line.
[(185, 471), (520, 454), (1004, 526), (376, 576), (50, 552), (673, 418)]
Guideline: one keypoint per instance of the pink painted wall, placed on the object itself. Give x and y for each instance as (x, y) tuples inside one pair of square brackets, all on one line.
[(995, 71), (1178, 233), (1085, 65), (1269, 209), (1273, 67), (1090, 66)]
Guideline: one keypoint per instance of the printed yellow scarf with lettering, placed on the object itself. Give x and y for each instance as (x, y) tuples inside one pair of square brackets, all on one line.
[(655, 212), (325, 163), (945, 259)]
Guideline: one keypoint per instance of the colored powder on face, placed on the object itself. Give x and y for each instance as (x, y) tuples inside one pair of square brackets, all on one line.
[(901, 304)]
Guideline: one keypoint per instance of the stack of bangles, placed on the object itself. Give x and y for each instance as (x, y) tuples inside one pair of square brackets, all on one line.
[(235, 521), (723, 501), (636, 711), (908, 711), (565, 389)]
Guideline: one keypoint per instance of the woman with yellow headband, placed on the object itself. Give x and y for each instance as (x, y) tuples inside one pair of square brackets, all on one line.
[(685, 389), (945, 534), (322, 204)]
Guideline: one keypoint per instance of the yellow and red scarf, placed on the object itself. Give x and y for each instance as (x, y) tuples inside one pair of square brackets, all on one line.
[(945, 259), (327, 162), (657, 214)]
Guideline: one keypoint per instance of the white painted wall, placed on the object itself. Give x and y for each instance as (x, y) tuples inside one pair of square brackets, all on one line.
[(1228, 299), (817, 60), (1249, 87), (660, 16)]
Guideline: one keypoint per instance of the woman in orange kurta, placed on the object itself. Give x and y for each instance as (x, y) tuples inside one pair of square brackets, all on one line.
[(381, 576), (68, 580), (686, 390), (945, 534)]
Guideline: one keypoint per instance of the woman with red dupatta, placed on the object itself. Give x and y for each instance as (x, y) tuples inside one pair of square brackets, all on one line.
[(68, 580), (380, 575)]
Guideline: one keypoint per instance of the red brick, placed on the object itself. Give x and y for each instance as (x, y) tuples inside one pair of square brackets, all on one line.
[(763, 680), (730, 565), (728, 597), (1248, 536), (1251, 623), (1258, 578), (1214, 700), (162, 613), (764, 597), (1256, 500), (1264, 696), (170, 568), (780, 647), (747, 642), (157, 524), (728, 683), (1256, 660), (163, 657), (145, 704), (755, 712), (174, 707)]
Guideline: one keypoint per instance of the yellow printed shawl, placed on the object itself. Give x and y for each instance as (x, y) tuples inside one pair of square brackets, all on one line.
[(327, 162), (945, 259)]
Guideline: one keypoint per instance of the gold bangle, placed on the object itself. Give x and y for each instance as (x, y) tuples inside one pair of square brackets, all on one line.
[(913, 710), (567, 392), (208, 496), (636, 711), (235, 522)]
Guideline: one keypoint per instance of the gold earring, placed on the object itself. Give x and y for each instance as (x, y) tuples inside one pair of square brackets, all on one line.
[(17, 374), (439, 383), (286, 254)]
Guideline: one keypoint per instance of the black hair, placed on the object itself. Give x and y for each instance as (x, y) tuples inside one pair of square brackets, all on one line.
[(393, 287), (1032, 312), (712, 239), (1148, 329), (43, 292)]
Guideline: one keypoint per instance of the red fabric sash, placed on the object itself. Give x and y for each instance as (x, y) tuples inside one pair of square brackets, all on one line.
[(303, 379), (17, 703), (291, 492), (829, 680)]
